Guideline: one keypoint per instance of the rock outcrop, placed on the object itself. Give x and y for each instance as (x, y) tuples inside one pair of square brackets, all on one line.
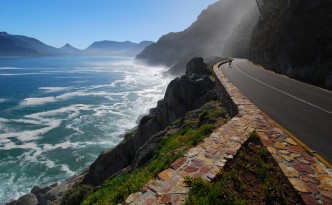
[(205, 37), (45, 195), (28, 199), (294, 37), (183, 94), (197, 66)]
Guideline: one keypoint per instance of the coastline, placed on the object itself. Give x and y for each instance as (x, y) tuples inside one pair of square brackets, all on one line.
[(49, 110), (149, 125)]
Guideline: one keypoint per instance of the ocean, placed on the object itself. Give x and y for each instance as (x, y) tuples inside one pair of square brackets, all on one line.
[(57, 114)]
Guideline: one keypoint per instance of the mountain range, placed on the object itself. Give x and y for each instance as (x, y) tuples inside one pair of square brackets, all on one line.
[(23, 46)]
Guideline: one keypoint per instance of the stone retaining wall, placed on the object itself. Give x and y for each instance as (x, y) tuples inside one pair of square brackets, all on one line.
[(309, 177), (224, 96)]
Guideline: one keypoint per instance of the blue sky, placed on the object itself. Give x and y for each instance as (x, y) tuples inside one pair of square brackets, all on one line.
[(80, 22)]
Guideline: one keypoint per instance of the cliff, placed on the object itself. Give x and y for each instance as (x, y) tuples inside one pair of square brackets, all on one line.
[(294, 37), (205, 37), (183, 94)]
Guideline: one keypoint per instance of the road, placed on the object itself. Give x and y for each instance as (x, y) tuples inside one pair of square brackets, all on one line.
[(303, 110)]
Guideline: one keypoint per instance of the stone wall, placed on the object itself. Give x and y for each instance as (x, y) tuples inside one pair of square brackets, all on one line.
[(224, 97)]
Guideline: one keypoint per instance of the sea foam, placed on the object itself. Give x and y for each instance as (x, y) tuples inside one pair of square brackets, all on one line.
[(57, 129)]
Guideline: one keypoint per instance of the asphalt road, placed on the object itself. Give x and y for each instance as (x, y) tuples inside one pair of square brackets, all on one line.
[(304, 110)]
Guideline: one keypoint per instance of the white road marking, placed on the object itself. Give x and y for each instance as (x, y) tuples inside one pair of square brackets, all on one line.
[(292, 96)]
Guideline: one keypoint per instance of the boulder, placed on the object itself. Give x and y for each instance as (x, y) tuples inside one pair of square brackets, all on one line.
[(197, 66), (56, 192), (39, 192), (110, 162), (182, 95), (28, 199)]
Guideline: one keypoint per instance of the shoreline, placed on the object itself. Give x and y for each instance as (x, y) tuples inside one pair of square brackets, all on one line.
[(160, 86), (149, 125)]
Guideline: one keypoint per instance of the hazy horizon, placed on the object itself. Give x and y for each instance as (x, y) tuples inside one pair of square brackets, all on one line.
[(80, 23)]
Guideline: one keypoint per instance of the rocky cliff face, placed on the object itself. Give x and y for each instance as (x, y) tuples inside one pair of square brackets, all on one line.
[(294, 37), (205, 37), (183, 94)]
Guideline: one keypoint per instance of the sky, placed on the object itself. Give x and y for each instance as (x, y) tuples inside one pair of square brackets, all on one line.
[(81, 22)]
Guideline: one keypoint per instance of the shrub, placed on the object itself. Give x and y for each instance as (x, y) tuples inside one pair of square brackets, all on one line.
[(76, 194)]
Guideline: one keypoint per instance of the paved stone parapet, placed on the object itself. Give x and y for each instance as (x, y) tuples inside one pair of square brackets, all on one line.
[(308, 176)]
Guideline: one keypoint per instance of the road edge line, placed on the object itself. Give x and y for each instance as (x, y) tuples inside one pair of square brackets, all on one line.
[(302, 144), (261, 67)]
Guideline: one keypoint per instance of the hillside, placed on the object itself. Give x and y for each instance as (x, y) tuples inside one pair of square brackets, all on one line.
[(205, 37), (17, 45), (126, 48), (237, 45), (294, 38)]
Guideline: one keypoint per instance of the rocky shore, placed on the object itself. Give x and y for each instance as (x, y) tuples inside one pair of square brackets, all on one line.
[(188, 92)]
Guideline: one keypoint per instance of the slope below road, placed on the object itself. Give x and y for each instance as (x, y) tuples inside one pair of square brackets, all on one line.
[(304, 110)]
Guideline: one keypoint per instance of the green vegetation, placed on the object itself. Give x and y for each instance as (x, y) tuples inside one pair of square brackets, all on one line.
[(252, 177), (210, 68), (202, 192), (76, 195), (192, 131)]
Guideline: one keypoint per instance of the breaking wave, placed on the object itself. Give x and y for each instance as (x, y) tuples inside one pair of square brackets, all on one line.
[(58, 126)]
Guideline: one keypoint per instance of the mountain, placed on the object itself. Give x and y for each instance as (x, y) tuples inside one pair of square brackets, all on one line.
[(16, 45), (294, 37), (70, 50), (138, 48), (205, 37), (126, 48), (238, 44), (23, 46)]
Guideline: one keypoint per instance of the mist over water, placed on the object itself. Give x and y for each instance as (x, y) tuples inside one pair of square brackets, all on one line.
[(58, 114)]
